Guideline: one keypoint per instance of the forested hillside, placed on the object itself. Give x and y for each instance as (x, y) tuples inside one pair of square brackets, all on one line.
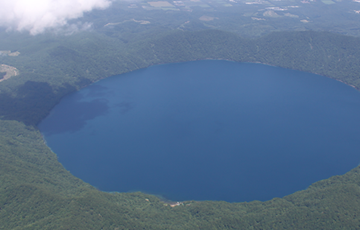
[(36, 192)]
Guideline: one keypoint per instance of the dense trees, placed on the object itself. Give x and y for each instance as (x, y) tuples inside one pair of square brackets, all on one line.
[(36, 192)]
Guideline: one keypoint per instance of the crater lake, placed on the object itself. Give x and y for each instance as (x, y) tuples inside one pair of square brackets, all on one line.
[(207, 130)]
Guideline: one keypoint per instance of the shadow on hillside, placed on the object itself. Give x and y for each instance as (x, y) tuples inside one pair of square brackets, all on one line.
[(32, 102)]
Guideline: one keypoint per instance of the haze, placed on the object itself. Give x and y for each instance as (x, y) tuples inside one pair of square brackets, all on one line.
[(50, 49)]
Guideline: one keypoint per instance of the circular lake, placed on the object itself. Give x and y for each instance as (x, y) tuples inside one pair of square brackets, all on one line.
[(208, 130)]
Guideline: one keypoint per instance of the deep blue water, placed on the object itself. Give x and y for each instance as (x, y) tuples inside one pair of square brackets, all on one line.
[(208, 130)]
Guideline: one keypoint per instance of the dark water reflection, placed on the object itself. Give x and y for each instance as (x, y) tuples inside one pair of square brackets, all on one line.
[(74, 114)]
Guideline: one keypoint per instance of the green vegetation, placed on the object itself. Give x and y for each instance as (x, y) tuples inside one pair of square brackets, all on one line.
[(36, 192), (48, 72)]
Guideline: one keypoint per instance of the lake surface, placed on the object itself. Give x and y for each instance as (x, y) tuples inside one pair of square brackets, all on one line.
[(208, 130)]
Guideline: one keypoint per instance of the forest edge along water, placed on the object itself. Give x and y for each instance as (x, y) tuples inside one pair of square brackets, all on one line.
[(207, 130)]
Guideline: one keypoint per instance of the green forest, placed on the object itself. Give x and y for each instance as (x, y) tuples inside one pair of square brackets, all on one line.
[(37, 192)]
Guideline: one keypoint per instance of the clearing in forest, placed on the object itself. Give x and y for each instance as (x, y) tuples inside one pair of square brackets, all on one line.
[(9, 70)]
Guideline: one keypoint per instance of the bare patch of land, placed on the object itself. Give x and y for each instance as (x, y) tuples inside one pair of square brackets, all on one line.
[(143, 22), (9, 53), (9, 70)]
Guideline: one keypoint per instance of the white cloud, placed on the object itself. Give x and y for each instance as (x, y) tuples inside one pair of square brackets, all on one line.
[(36, 16)]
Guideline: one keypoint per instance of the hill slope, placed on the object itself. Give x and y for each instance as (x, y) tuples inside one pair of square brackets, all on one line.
[(36, 192)]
